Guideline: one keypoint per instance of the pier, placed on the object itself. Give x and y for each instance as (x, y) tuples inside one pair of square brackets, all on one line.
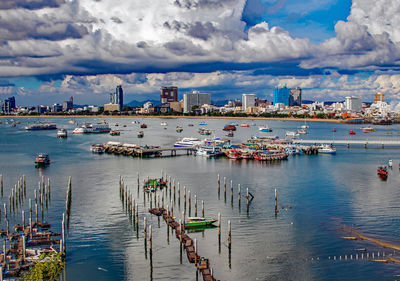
[(136, 151), (348, 143)]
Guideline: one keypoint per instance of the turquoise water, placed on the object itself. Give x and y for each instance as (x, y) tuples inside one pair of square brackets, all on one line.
[(325, 192)]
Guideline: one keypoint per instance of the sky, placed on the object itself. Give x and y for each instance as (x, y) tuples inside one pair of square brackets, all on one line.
[(52, 49)]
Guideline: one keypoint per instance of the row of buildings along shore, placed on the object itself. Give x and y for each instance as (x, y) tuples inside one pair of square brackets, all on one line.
[(286, 101)]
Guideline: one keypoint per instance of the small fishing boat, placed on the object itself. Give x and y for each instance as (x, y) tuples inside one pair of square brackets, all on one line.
[(208, 151), (327, 149), (143, 126), (302, 131), (204, 131), (116, 124), (369, 129), (163, 123), (244, 125), (140, 134), (351, 132), (17, 122), (62, 133), (292, 134), (234, 154), (265, 129), (71, 121), (42, 160), (179, 129), (247, 155), (229, 128), (97, 148), (390, 164), (153, 184), (382, 172), (230, 134), (190, 125), (115, 133), (13, 124), (203, 124), (198, 222)]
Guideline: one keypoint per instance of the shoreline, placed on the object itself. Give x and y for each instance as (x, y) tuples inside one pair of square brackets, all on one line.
[(291, 119)]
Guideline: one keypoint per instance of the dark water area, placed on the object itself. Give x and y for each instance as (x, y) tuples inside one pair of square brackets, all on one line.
[(325, 193)]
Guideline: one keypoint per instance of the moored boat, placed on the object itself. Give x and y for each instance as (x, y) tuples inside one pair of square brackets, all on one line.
[(179, 129), (115, 133), (244, 125), (163, 123), (247, 155), (229, 128), (188, 142), (292, 134), (42, 160), (97, 148), (265, 128), (143, 126), (382, 172), (327, 149), (351, 132), (198, 222), (230, 134), (208, 151), (204, 131), (302, 131), (88, 128), (234, 154), (62, 133), (154, 184), (140, 134)]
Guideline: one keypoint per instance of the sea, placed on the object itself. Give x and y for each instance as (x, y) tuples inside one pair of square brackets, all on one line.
[(321, 198)]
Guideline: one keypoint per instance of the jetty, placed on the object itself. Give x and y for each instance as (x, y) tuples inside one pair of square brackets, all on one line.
[(144, 151), (202, 263), (348, 143)]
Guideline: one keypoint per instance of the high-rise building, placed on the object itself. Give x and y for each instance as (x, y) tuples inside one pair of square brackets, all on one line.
[(116, 100), (169, 94), (248, 100), (68, 105), (295, 97), (353, 104), (195, 99), (8, 105), (379, 97), (281, 95)]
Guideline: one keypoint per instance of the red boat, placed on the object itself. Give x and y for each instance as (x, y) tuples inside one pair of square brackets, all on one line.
[(351, 132), (234, 154), (42, 160), (247, 155), (143, 126), (382, 172), (229, 128)]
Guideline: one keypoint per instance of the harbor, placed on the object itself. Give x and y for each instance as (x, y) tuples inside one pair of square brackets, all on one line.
[(317, 195)]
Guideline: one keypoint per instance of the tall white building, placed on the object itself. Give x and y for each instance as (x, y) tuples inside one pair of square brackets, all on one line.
[(353, 104), (248, 100), (195, 99)]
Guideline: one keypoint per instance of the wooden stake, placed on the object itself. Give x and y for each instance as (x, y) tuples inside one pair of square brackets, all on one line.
[(202, 208)]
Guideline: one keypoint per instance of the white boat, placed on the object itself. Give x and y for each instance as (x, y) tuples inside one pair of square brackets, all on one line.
[(97, 148), (327, 149), (88, 128), (292, 134), (265, 129), (390, 164), (163, 123), (208, 151), (188, 142), (40, 126), (62, 133), (302, 131)]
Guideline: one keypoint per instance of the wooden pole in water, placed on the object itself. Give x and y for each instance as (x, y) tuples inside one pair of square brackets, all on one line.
[(162, 200), (219, 224), (138, 181), (183, 221), (184, 195), (195, 251), (179, 194), (225, 185), (1, 185), (202, 208), (36, 212), (48, 188), (219, 184), (239, 192), (195, 205), (173, 183), (137, 217), (23, 220), (145, 228), (30, 210), (190, 202), (229, 234), (247, 197), (276, 202)]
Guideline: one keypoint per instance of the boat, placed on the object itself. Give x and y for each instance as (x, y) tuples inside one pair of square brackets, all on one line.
[(153, 184), (234, 154), (369, 129), (230, 134), (17, 122), (269, 156), (302, 131), (351, 132), (382, 172), (333, 129), (203, 131), (188, 142), (41, 126), (179, 129), (62, 133), (163, 123), (140, 134), (265, 129), (292, 134), (198, 222), (229, 128), (190, 125), (1, 122), (390, 164), (88, 128), (13, 124), (208, 151), (143, 126), (327, 149), (97, 148), (244, 125), (247, 155), (71, 121), (115, 133), (42, 160), (116, 125), (203, 124)]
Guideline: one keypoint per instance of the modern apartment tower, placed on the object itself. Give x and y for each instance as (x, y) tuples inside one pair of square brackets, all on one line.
[(281, 95), (194, 99), (169, 94), (353, 104), (116, 100), (68, 105), (379, 97), (8, 105), (295, 97), (248, 100)]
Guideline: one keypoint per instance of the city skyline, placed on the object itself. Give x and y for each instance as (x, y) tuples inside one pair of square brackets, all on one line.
[(226, 48)]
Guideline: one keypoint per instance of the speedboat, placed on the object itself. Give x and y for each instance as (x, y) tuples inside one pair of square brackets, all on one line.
[(179, 129), (208, 151), (369, 129), (115, 133), (265, 129), (62, 133), (163, 123), (327, 149), (203, 131), (42, 160), (97, 148), (302, 131), (351, 132), (292, 134), (140, 134), (143, 126), (230, 134), (203, 124), (188, 142), (229, 128), (198, 221), (244, 125), (382, 172)]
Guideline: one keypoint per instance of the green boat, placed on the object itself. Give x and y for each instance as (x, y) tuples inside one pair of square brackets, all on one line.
[(153, 184), (198, 222)]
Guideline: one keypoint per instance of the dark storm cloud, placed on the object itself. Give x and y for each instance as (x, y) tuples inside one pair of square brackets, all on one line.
[(198, 29), (30, 4)]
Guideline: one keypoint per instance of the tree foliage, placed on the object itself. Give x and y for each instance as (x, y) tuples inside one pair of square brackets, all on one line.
[(47, 268)]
